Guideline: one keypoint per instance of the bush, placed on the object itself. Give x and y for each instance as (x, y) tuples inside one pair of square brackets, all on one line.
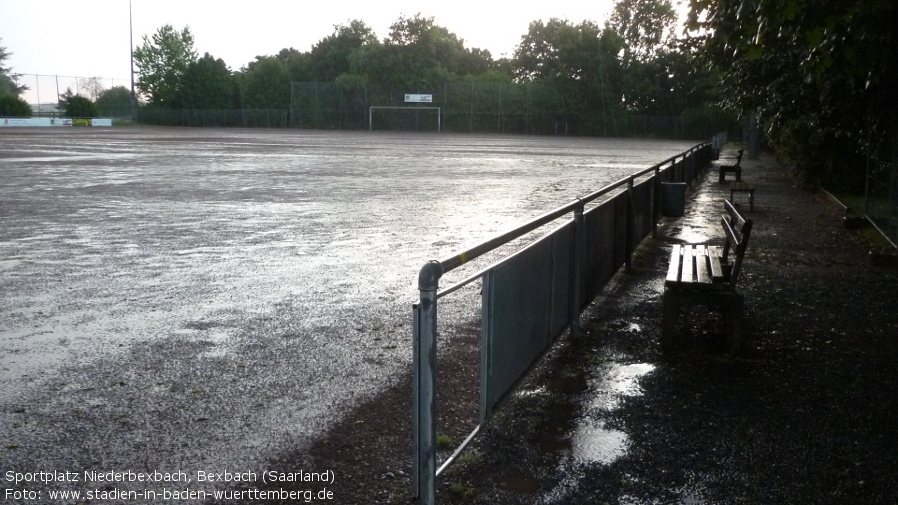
[(13, 106), (818, 157), (78, 106)]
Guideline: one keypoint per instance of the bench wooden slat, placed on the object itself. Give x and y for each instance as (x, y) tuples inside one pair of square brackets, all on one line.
[(736, 219), (714, 259), (688, 265), (673, 269), (701, 264), (731, 236)]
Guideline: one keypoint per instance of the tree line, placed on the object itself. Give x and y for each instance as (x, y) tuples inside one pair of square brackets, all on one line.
[(634, 64), (819, 74)]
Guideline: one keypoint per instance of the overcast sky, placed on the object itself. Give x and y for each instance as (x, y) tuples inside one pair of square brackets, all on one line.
[(90, 38)]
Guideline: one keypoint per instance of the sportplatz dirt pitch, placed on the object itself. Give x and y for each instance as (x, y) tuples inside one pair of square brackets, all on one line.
[(195, 299)]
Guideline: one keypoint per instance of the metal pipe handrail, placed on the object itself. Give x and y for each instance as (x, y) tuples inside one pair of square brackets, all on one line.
[(425, 314), (480, 273), (478, 250)]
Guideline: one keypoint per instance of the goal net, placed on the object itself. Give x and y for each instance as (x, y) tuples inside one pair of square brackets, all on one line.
[(404, 118)]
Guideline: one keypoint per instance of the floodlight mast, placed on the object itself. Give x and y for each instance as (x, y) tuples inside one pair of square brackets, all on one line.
[(131, 35)]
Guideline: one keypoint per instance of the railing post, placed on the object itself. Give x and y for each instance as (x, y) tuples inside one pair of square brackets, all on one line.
[(578, 260), (424, 466), (689, 161), (656, 201), (631, 225)]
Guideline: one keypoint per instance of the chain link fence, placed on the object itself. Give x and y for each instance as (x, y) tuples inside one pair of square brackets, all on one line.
[(212, 118), (523, 108), (44, 92)]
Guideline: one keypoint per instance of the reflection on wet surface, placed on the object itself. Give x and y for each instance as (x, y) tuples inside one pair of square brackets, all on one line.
[(276, 268), (581, 435)]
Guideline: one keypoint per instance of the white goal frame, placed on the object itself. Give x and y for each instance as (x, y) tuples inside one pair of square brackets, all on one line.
[(371, 114)]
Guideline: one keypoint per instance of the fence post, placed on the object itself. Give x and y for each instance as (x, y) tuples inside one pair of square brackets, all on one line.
[(424, 388), (631, 225), (656, 201), (578, 259), (690, 167)]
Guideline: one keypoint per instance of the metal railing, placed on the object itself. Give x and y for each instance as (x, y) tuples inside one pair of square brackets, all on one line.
[(881, 198), (531, 297)]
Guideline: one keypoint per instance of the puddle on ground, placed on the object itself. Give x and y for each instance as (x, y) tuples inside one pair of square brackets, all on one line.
[(584, 438), (593, 442), (692, 235)]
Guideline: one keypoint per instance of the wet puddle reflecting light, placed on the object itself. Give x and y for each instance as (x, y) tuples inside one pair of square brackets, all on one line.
[(587, 439)]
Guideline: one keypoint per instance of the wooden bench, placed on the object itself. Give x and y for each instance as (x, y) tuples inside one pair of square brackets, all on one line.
[(744, 187), (707, 274), (737, 169)]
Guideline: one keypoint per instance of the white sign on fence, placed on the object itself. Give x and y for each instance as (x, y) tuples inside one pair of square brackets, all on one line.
[(58, 121), (411, 98)]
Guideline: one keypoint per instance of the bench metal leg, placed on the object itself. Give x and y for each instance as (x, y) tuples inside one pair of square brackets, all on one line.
[(670, 311), (732, 306)]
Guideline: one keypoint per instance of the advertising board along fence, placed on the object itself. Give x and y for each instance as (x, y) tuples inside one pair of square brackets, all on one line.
[(529, 298), (11, 122)]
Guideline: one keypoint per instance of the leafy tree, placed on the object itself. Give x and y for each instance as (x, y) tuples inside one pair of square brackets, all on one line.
[(9, 84), (653, 65), (266, 84), (76, 105), (162, 62), (114, 102), (422, 54), (579, 61), (299, 65), (332, 55), (647, 26), (821, 74), (208, 84), (12, 105)]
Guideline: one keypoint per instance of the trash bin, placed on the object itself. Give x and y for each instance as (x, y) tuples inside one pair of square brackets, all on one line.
[(715, 154), (673, 199)]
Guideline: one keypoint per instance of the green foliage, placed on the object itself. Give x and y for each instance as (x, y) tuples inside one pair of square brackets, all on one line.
[(821, 73), (579, 62), (266, 84), (647, 27), (114, 102), (563, 78), (421, 54), (208, 83), (162, 62), (74, 105), (13, 106), (8, 81), (332, 55), (445, 441), (298, 65)]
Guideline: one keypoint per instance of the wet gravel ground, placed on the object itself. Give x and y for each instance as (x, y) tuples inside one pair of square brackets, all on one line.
[(128, 379), (185, 300), (806, 414)]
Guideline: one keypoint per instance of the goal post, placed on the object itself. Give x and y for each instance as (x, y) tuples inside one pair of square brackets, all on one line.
[(372, 108)]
